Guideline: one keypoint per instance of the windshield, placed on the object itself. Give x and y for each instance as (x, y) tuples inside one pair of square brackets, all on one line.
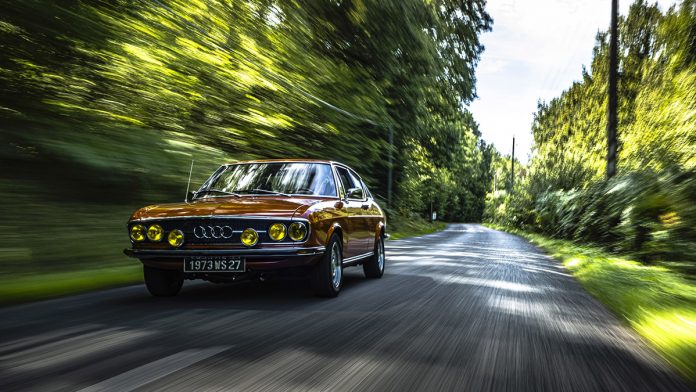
[(273, 178)]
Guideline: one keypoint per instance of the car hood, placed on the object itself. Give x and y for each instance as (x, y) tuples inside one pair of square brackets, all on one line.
[(244, 206)]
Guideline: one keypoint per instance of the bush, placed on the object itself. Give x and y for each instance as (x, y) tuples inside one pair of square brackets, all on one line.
[(650, 215)]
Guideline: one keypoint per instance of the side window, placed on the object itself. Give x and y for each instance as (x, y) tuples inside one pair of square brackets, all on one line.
[(350, 181), (343, 179), (367, 191), (360, 184)]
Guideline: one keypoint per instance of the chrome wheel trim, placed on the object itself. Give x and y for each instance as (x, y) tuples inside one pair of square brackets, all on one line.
[(336, 270), (380, 255)]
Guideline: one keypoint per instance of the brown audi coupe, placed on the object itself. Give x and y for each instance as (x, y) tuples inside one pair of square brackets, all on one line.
[(259, 219)]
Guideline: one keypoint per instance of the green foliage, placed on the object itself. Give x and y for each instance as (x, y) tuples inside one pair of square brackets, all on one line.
[(107, 102), (648, 209), (413, 225)]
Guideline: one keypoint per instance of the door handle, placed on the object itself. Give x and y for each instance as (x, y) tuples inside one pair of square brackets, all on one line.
[(365, 206)]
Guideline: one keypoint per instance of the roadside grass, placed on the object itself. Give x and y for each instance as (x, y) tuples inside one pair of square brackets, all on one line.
[(33, 287), (658, 302), (400, 227)]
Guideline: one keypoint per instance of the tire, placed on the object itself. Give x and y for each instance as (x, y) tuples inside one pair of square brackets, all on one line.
[(374, 266), (163, 283), (327, 276)]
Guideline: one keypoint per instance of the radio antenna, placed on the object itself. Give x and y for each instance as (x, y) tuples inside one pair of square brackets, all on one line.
[(189, 182)]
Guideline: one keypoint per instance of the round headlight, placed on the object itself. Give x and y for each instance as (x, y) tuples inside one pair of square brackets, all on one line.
[(137, 233), (250, 237), (298, 231), (155, 233), (175, 238), (277, 231)]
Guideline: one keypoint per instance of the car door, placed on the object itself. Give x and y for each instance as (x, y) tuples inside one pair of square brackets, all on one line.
[(355, 227), (373, 217), (365, 215)]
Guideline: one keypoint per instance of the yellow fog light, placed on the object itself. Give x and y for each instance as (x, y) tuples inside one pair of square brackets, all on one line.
[(250, 237), (298, 231), (277, 231), (137, 233), (175, 238), (155, 233)]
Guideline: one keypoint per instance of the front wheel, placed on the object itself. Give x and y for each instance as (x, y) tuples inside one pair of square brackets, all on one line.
[(161, 282), (374, 266), (327, 277)]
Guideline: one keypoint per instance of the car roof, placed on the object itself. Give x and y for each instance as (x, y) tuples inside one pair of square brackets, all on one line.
[(285, 160)]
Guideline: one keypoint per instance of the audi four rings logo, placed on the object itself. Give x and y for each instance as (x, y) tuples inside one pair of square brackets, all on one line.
[(212, 232)]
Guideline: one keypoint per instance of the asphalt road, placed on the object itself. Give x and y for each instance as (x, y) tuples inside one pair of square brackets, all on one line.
[(468, 308)]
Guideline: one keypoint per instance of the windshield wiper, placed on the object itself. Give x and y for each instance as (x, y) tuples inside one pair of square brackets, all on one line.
[(262, 191), (216, 191)]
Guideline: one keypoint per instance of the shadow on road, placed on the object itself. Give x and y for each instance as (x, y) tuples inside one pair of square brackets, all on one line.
[(278, 293)]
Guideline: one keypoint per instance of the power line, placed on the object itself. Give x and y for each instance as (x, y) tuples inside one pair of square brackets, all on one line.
[(553, 80)]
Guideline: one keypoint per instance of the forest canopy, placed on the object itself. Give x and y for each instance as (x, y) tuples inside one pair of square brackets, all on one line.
[(105, 103), (120, 86)]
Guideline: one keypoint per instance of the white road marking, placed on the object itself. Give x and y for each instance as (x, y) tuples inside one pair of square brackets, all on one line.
[(70, 349), (136, 378), (42, 338)]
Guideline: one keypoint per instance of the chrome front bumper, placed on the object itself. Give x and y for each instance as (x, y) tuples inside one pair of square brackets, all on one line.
[(249, 253)]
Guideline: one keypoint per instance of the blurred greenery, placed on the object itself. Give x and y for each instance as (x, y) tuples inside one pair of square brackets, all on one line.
[(649, 208), (658, 303), (414, 225), (104, 104)]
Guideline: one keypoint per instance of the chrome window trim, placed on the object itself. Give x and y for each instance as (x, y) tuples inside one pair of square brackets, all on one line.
[(339, 185)]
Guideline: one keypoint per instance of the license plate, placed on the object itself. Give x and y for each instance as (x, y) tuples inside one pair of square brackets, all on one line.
[(214, 264)]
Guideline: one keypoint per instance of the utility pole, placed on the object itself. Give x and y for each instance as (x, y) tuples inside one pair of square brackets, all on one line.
[(512, 171), (612, 118), (391, 158)]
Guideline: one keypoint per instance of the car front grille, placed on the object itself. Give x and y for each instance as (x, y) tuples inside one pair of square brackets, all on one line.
[(217, 230)]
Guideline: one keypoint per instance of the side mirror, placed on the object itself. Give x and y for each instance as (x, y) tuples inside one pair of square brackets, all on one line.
[(189, 196), (355, 193)]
